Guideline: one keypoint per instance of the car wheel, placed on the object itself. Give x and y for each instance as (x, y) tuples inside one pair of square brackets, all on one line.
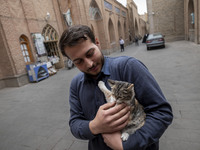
[(148, 48)]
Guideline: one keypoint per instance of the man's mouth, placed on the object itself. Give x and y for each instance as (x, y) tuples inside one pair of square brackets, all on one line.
[(94, 68)]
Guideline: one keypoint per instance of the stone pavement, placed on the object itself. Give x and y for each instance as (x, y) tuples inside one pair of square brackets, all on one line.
[(35, 116)]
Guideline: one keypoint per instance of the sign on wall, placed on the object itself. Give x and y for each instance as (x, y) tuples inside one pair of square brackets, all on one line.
[(39, 43), (68, 18)]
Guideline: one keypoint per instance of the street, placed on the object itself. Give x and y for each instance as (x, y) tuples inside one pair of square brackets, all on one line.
[(35, 116)]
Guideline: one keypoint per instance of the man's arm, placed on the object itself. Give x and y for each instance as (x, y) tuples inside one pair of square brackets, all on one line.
[(157, 109), (108, 118), (113, 140)]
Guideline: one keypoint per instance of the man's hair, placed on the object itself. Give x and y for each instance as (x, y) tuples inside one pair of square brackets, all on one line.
[(75, 35)]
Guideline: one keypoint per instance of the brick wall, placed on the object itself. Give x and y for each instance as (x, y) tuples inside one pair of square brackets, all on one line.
[(22, 17), (167, 17)]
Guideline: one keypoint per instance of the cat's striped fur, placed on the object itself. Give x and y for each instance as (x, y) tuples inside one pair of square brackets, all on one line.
[(123, 92)]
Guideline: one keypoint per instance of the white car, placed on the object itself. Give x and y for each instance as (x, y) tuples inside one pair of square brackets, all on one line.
[(155, 40)]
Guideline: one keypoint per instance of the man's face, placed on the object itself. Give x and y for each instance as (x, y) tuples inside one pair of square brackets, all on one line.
[(86, 56)]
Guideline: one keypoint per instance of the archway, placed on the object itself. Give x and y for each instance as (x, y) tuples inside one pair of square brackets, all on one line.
[(97, 22), (111, 31), (125, 31), (51, 44), (50, 40), (94, 11), (119, 29), (131, 25), (191, 21), (136, 28)]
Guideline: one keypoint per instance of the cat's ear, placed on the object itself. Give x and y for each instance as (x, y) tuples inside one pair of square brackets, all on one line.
[(130, 86), (111, 82)]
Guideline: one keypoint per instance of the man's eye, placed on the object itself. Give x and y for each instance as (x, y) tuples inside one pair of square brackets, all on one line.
[(77, 62), (90, 53)]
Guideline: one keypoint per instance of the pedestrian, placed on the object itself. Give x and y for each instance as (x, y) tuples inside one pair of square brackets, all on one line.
[(145, 38), (121, 42), (136, 41), (91, 118)]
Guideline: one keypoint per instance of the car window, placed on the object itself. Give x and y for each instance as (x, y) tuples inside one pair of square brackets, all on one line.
[(157, 35), (150, 36)]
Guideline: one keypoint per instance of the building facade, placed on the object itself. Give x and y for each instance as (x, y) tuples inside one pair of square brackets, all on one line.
[(192, 20), (30, 30), (108, 20), (166, 17), (134, 24), (177, 19), (21, 22)]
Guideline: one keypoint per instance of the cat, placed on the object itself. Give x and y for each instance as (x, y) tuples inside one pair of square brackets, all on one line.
[(123, 92)]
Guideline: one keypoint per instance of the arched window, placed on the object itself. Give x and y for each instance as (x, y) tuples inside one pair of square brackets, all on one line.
[(50, 40), (94, 11), (191, 14), (25, 48)]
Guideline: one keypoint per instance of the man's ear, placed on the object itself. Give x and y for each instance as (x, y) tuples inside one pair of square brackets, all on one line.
[(97, 42)]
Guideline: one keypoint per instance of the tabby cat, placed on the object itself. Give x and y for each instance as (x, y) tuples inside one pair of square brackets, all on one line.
[(123, 92)]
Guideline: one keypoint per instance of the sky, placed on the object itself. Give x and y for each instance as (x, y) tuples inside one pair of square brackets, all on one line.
[(141, 5)]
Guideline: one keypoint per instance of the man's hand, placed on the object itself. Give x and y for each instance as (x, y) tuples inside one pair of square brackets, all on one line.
[(113, 140), (110, 119)]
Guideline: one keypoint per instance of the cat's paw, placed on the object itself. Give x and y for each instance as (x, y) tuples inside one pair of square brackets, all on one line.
[(100, 84), (124, 136)]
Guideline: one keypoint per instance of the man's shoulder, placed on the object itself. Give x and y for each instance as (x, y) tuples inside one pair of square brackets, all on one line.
[(121, 59), (124, 61), (78, 78)]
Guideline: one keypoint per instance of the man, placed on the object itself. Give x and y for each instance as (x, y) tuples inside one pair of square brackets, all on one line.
[(121, 43), (93, 119)]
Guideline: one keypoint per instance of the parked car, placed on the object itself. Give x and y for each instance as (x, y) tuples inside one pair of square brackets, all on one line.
[(155, 40)]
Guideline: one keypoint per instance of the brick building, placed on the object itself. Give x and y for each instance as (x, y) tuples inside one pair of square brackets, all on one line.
[(30, 30), (143, 23), (177, 19), (108, 20), (192, 20), (20, 21), (137, 23)]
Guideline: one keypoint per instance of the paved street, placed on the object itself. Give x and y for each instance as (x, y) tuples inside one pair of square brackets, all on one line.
[(35, 116)]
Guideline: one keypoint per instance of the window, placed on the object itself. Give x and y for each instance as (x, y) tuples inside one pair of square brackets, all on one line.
[(124, 13), (192, 18), (117, 10), (50, 40), (108, 5), (94, 12), (25, 49)]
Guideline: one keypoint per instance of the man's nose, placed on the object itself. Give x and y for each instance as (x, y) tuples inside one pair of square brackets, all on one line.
[(89, 63)]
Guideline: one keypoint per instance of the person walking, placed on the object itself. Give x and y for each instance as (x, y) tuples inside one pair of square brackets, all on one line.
[(121, 42)]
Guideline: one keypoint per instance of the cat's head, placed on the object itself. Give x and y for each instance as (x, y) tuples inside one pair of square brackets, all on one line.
[(121, 90)]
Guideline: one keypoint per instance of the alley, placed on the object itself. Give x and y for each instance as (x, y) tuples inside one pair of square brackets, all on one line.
[(35, 116)]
